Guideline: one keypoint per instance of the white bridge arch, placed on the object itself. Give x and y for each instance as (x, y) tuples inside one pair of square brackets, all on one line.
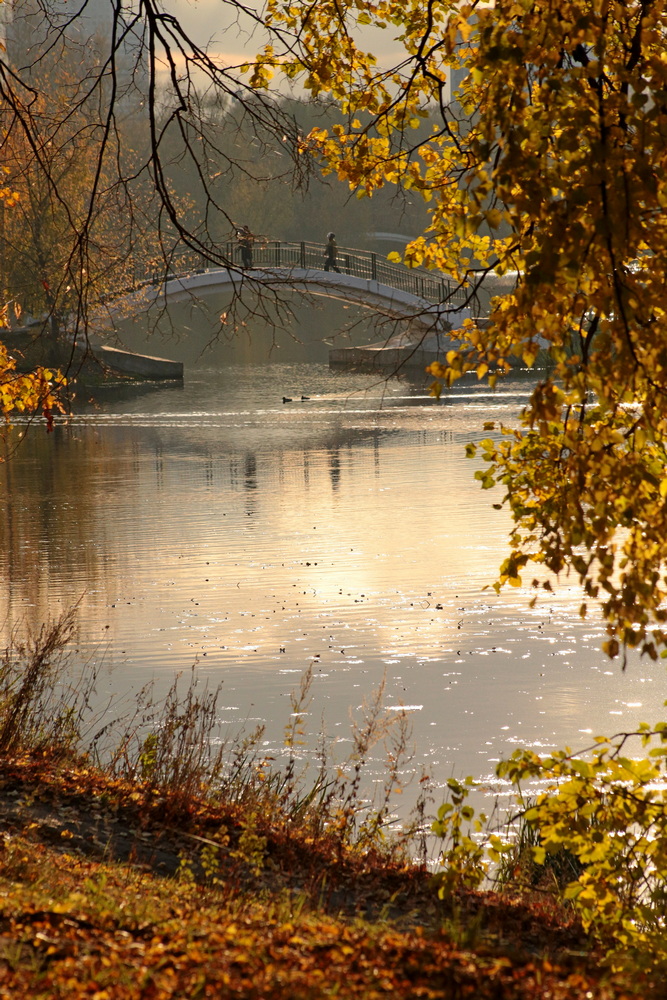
[(426, 299)]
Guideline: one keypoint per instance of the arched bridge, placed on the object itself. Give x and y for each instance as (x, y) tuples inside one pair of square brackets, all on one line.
[(427, 299)]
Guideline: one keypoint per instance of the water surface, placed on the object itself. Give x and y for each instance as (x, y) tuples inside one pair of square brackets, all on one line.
[(215, 523)]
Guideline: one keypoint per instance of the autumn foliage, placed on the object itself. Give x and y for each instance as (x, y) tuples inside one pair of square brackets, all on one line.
[(33, 393)]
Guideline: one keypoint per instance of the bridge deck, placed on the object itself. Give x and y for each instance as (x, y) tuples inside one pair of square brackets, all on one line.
[(431, 286), (427, 300)]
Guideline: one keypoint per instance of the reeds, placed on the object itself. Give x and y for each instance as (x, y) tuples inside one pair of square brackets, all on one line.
[(42, 705), (178, 746)]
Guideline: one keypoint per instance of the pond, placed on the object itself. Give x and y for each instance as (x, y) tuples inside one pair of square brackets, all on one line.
[(263, 517)]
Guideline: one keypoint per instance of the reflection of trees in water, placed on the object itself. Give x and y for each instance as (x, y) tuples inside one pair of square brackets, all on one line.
[(250, 472), (270, 469), (261, 474), (270, 438), (49, 493), (83, 507), (334, 468), (159, 469), (90, 397), (250, 485)]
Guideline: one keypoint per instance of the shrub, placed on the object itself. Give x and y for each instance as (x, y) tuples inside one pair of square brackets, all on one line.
[(596, 835)]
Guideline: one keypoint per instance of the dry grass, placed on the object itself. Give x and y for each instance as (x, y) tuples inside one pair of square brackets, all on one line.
[(40, 705)]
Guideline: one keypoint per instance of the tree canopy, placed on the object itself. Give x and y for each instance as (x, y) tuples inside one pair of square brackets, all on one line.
[(548, 159)]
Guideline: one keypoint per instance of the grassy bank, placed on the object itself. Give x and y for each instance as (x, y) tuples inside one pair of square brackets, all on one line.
[(138, 861), (110, 889)]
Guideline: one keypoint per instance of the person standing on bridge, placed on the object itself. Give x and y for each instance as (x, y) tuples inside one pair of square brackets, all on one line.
[(246, 241), (330, 252)]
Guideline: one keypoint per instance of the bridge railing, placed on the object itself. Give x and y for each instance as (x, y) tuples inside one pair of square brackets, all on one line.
[(428, 285)]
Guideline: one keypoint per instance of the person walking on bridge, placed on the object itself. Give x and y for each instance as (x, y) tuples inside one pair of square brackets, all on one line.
[(246, 240), (330, 252)]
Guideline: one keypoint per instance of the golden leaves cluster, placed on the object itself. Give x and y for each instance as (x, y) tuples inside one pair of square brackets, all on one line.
[(33, 393), (594, 836)]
